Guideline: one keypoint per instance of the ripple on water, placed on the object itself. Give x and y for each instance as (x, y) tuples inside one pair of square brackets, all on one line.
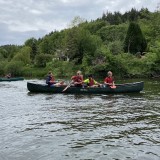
[(43, 126)]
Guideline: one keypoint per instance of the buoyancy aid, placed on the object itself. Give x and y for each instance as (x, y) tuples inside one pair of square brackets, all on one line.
[(77, 78), (109, 80), (50, 80)]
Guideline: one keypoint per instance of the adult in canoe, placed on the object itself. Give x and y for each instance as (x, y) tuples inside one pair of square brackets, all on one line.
[(50, 80), (77, 80), (109, 80)]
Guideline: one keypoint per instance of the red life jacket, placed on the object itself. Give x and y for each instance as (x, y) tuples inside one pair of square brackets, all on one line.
[(91, 82), (52, 79), (108, 80), (77, 78)]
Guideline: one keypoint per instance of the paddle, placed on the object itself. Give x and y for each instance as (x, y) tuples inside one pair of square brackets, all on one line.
[(67, 87)]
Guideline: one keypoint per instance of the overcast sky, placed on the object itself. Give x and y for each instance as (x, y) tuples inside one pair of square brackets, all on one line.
[(24, 19)]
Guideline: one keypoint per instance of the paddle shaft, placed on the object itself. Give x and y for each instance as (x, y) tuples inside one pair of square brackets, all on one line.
[(67, 87)]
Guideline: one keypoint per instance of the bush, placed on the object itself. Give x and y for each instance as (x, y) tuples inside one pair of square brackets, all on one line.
[(42, 59), (34, 72), (14, 67), (2, 67), (62, 68)]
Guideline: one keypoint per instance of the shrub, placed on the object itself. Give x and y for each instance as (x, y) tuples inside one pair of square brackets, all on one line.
[(42, 59), (14, 67)]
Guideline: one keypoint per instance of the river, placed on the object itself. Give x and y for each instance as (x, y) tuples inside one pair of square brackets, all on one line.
[(79, 127)]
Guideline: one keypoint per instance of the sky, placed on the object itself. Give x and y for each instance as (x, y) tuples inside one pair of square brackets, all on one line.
[(24, 19)]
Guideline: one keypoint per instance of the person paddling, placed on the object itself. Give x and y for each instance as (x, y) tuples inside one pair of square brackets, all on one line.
[(109, 80), (77, 80), (50, 80)]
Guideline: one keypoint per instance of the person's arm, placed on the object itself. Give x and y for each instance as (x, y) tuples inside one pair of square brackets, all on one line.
[(105, 81), (86, 81), (79, 80), (113, 81), (97, 83)]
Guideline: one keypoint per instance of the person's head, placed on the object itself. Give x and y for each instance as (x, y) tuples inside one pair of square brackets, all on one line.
[(79, 72), (90, 76), (50, 73), (109, 74)]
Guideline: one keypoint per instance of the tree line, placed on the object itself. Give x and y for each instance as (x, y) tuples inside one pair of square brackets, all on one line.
[(128, 44)]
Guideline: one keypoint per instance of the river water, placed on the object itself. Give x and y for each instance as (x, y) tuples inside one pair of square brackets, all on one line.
[(79, 127)]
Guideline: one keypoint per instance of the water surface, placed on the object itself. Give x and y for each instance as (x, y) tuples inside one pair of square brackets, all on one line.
[(61, 127)]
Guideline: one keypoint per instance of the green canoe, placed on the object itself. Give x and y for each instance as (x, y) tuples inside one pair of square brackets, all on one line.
[(120, 88), (12, 79)]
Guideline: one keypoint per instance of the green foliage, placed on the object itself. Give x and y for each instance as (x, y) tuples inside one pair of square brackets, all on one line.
[(8, 51), (130, 66), (29, 71), (32, 43), (3, 53), (113, 18), (14, 67), (44, 46), (95, 47), (155, 29), (23, 55), (2, 67), (134, 41), (71, 44), (117, 18), (94, 26), (112, 33), (116, 47), (42, 59), (79, 42), (51, 43), (62, 69), (96, 63), (155, 48)]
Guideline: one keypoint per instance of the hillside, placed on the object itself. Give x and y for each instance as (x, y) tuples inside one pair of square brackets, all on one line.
[(127, 44)]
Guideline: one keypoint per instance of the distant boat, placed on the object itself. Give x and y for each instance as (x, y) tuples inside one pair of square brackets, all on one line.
[(12, 79), (120, 88)]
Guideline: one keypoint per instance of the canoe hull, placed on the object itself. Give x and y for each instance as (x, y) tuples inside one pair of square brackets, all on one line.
[(120, 88), (12, 79)]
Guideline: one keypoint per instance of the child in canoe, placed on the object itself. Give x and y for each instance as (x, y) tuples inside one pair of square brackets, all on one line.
[(90, 82)]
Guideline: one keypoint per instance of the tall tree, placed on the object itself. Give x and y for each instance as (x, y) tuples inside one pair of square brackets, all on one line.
[(32, 43), (134, 41)]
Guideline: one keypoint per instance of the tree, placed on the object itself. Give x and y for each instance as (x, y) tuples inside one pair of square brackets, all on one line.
[(23, 55), (133, 15), (42, 59), (155, 25), (115, 47), (32, 43), (76, 21), (134, 41)]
